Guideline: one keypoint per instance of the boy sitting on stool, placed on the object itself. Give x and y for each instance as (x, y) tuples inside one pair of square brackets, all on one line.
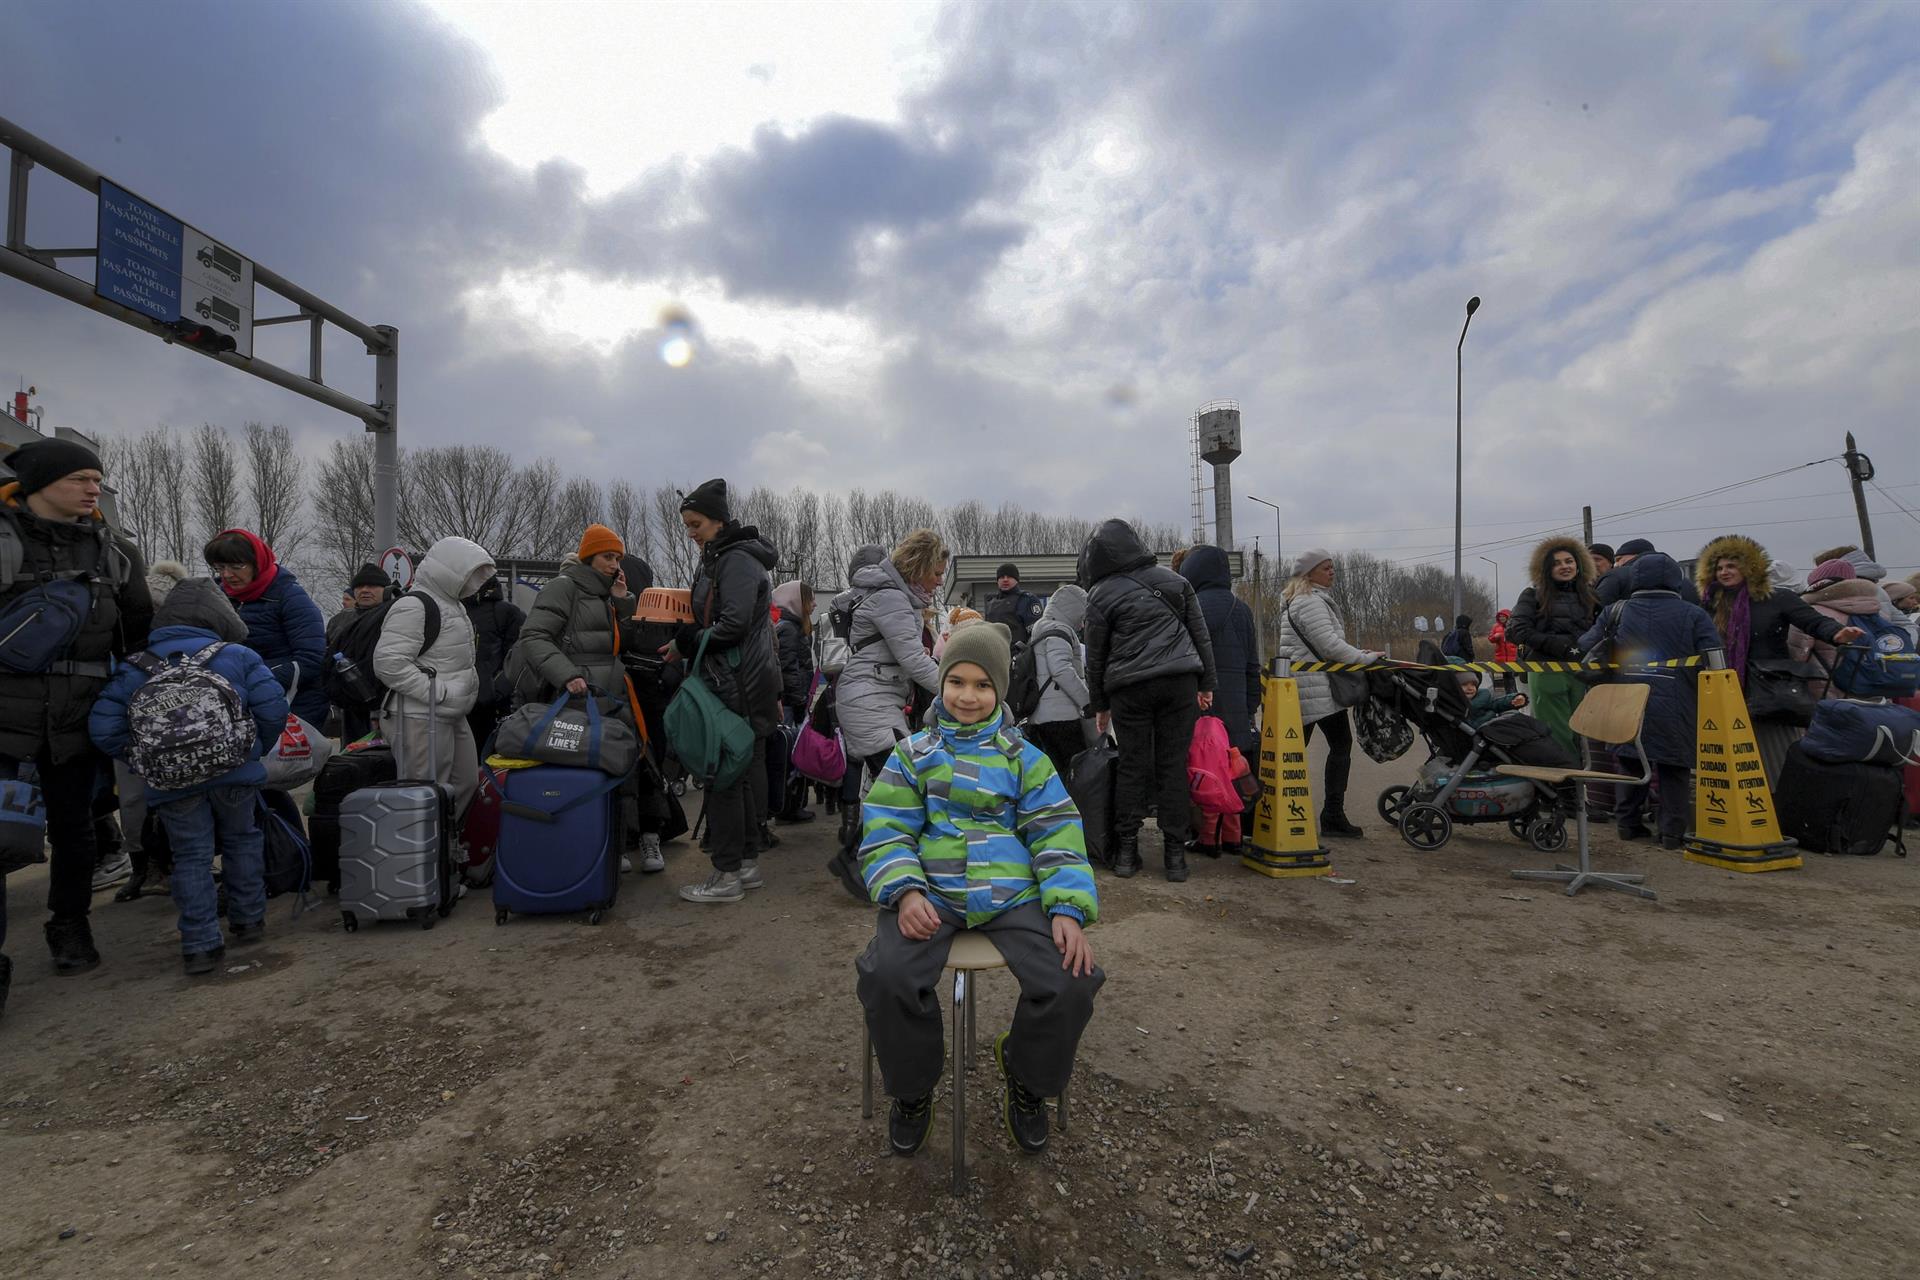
[(969, 827)]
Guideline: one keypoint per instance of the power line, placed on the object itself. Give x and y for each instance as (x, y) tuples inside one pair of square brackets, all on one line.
[(1702, 528), (1497, 524), (1503, 544), (1896, 502)]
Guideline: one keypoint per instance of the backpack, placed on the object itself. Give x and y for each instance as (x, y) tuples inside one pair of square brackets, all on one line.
[(1210, 768), (1024, 689), (351, 682), (840, 616), (40, 624), (1881, 664), (186, 725)]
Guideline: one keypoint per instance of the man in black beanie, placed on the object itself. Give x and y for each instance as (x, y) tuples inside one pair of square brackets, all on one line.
[(1012, 608), (55, 546), (1617, 584), (369, 588)]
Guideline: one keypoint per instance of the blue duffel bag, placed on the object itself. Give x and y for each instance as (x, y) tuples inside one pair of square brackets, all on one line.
[(1850, 731)]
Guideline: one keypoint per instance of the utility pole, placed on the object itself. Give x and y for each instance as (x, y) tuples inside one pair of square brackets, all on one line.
[(1860, 470), (1586, 525)]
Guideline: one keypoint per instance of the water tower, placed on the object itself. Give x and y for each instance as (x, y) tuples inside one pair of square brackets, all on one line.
[(1216, 440)]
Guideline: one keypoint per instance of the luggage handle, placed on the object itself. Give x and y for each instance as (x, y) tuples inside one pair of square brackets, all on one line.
[(549, 815)]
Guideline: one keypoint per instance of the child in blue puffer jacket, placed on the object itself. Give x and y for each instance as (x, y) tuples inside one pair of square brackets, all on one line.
[(213, 815)]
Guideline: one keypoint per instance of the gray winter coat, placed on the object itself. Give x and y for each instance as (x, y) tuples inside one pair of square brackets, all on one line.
[(569, 632), (1311, 630), (733, 607), (451, 569), (1057, 663), (1143, 621), (887, 660)]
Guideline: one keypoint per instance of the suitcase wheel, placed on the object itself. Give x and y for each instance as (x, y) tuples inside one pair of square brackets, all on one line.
[(499, 915), (596, 916), (445, 909), (350, 922), (678, 787)]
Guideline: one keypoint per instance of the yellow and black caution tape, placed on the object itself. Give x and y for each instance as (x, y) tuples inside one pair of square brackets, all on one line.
[(1502, 668)]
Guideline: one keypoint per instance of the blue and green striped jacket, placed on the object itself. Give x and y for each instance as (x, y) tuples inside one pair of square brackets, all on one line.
[(977, 819)]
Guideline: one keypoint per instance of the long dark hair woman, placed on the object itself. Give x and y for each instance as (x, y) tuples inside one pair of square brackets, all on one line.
[(1547, 623), (732, 602)]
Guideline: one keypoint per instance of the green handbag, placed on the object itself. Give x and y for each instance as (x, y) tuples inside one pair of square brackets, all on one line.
[(714, 743)]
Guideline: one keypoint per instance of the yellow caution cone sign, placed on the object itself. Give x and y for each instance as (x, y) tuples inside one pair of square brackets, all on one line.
[(1734, 822), (1286, 835)]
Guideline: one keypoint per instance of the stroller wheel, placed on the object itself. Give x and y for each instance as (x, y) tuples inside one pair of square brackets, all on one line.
[(1426, 827), (1393, 803), (1518, 825), (1548, 835)]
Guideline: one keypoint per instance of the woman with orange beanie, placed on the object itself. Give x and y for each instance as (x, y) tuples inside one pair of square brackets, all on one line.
[(568, 641)]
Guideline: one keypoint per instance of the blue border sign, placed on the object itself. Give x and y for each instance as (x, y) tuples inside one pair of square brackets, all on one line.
[(140, 254)]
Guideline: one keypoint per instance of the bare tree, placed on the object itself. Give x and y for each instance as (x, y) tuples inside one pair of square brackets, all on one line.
[(464, 491), (536, 490), (627, 516), (343, 507), (163, 458), (125, 465), (581, 504), (274, 475), (678, 556), (216, 480)]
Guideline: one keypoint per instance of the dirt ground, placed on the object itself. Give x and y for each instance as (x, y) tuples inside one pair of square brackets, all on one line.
[(1433, 1071)]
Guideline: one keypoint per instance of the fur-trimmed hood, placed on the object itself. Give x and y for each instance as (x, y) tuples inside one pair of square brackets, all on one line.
[(1754, 562), (1542, 554)]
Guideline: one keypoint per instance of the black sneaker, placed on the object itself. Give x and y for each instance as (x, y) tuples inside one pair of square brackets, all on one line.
[(908, 1124), (70, 939), (239, 934), (795, 816), (1126, 857), (1025, 1112), (199, 962), (1634, 832), (1336, 824)]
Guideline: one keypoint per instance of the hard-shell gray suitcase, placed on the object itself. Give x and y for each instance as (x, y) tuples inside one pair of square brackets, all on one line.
[(396, 845)]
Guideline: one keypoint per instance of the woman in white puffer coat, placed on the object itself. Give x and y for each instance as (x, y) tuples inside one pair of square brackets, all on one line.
[(451, 570)]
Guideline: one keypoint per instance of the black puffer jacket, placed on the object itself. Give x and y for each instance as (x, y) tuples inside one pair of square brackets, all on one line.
[(733, 606), (1550, 617), (1143, 621), (48, 712), (496, 625), (1236, 646)]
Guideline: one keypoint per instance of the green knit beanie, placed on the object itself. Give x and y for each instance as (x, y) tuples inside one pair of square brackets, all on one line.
[(988, 645)]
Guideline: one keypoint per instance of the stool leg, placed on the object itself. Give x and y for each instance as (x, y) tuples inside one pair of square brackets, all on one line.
[(973, 1027), (866, 1070), (960, 994), (1061, 1107)]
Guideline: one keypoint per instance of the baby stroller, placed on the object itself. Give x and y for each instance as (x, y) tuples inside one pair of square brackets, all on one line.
[(1457, 784)]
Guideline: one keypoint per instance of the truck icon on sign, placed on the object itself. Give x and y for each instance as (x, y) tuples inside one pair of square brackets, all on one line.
[(225, 312), (225, 261)]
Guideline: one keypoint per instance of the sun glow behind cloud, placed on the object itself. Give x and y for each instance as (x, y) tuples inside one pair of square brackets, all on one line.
[(617, 87)]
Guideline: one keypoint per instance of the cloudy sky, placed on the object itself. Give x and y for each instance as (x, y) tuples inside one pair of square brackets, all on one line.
[(1003, 251)]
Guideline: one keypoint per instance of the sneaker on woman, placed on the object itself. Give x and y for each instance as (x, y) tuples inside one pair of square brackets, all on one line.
[(721, 886)]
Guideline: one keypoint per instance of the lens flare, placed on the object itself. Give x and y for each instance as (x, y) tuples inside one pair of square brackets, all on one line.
[(677, 346)]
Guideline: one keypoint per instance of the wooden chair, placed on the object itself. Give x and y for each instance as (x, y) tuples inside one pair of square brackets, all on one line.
[(1610, 713), (971, 954)]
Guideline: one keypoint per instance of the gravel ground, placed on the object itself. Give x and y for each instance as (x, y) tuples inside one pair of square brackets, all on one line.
[(1431, 1071)]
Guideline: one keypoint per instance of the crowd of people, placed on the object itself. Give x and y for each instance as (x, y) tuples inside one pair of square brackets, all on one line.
[(953, 807)]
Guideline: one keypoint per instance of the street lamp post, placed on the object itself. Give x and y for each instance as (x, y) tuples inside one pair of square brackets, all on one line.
[(1496, 581), (1278, 568), (1473, 305)]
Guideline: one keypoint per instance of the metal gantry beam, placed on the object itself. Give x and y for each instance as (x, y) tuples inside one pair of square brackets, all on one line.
[(36, 267)]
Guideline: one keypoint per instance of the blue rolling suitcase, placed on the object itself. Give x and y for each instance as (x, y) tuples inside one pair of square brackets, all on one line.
[(559, 849)]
